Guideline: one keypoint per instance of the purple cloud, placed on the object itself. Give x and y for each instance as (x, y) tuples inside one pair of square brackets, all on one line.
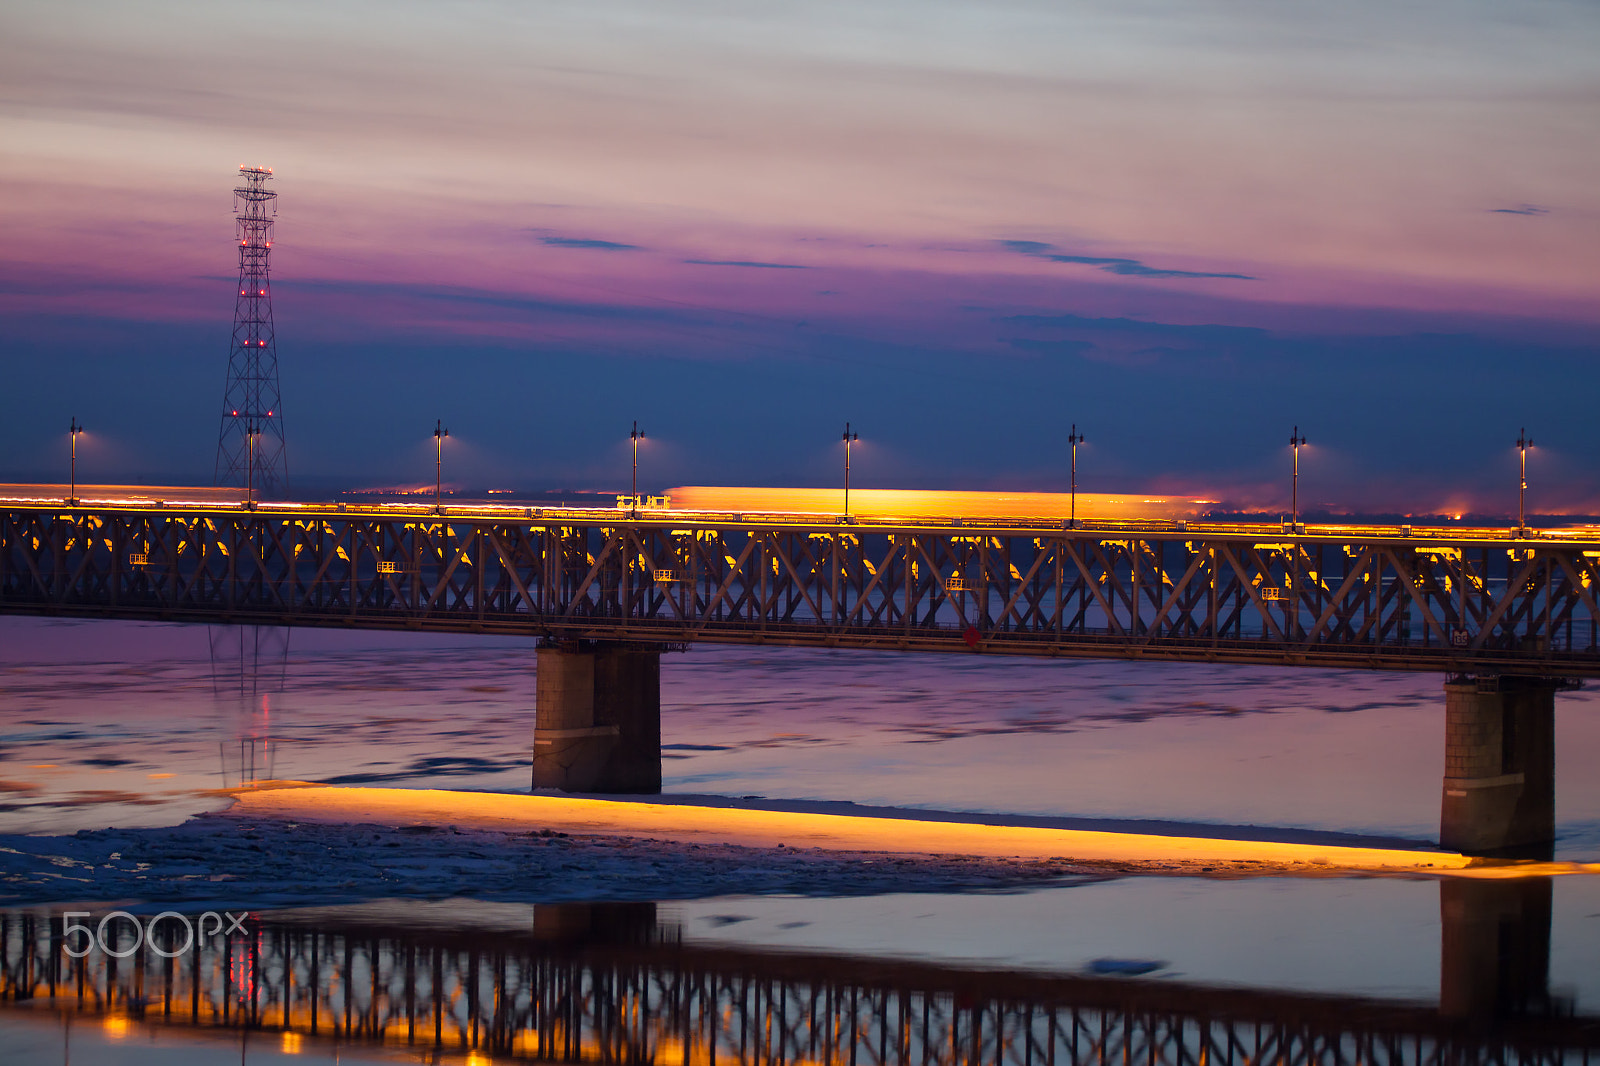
[(1126, 267)]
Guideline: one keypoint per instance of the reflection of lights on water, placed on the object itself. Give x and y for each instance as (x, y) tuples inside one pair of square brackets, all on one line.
[(475, 1059), (291, 1043), (244, 968), (116, 1026)]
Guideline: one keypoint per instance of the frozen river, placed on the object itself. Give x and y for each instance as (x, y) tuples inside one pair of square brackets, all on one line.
[(139, 727)]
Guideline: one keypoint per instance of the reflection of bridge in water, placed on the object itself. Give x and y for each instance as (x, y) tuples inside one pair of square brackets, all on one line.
[(608, 983)]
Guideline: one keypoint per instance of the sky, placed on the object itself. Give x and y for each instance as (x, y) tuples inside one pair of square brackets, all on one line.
[(963, 227)]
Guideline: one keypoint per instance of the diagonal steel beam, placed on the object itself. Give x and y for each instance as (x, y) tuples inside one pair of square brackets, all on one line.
[(1172, 597), (582, 592), (1247, 586), (727, 582), (1354, 575), (1410, 581), (1513, 595), (1093, 586), (1039, 556)]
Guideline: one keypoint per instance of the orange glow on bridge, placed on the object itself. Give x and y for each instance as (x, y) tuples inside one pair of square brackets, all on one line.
[(919, 503)]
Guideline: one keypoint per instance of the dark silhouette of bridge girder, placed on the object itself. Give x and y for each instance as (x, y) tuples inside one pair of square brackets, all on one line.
[(1446, 601)]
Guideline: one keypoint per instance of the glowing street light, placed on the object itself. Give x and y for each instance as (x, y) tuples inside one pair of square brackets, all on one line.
[(1295, 442), (1074, 438), (849, 438), (636, 437), (1524, 442), (439, 434), (72, 493)]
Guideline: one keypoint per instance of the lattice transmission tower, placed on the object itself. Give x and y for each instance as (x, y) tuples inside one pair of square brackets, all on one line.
[(250, 446)]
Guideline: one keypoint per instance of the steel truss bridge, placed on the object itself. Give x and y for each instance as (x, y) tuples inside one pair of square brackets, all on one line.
[(1448, 600), (605, 996)]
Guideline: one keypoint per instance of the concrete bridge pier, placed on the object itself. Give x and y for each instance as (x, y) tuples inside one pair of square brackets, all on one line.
[(598, 726), (1500, 766)]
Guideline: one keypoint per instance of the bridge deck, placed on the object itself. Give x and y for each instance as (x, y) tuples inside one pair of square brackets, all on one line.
[(1440, 599)]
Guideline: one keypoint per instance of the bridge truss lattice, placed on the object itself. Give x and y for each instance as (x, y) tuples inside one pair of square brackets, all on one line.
[(1430, 602)]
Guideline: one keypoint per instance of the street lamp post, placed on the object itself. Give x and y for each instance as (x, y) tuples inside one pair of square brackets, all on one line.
[(849, 438), (633, 500), (1074, 438), (439, 434), (250, 430), (1295, 442), (1524, 442), (72, 492)]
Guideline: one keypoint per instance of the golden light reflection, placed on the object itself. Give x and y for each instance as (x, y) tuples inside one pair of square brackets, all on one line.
[(116, 1026), (291, 1043), (682, 823)]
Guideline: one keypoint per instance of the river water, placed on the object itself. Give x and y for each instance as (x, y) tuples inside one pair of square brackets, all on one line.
[(112, 724)]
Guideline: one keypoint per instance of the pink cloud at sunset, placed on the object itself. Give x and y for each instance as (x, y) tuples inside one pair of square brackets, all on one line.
[(1330, 171)]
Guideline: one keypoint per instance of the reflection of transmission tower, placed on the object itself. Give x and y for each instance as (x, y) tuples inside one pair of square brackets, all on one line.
[(248, 663), (248, 660), (250, 402)]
